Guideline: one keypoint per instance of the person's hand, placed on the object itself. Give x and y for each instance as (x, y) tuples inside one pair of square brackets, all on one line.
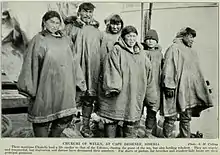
[(169, 93), (95, 117), (112, 94)]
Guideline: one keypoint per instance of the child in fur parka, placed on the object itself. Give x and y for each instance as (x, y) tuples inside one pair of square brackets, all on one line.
[(153, 52)]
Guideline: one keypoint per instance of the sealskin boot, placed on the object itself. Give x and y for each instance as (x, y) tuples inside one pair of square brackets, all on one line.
[(184, 128), (86, 113), (148, 134), (129, 131), (110, 130), (168, 127)]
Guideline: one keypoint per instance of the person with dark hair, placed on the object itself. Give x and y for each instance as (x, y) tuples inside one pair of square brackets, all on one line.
[(87, 38), (153, 51), (87, 6), (84, 18), (127, 82), (49, 76), (114, 25), (185, 92)]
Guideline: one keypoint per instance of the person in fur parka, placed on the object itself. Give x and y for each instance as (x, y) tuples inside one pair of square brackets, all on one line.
[(114, 25), (49, 76), (127, 81), (87, 38), (185, 92), (153, 52)]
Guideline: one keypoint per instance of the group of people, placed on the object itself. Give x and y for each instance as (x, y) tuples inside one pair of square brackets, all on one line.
[(111, 74)]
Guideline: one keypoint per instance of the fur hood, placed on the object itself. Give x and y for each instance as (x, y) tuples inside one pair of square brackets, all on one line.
[(137, 47), (78, 22)]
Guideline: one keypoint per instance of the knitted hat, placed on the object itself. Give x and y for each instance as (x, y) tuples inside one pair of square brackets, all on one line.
[(151, 34)]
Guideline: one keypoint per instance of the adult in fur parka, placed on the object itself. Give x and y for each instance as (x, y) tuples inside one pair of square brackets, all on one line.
[(87, 38), (184, 87)]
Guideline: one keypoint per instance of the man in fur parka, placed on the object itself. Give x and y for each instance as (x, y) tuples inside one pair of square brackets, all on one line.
[(185, 92), (86, 38)]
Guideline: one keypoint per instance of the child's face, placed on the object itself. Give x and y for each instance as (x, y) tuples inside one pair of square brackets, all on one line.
[(130, 39), (115, 27), (151, 43)]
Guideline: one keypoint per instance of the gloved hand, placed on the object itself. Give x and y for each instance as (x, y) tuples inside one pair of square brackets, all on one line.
[(169, 93)]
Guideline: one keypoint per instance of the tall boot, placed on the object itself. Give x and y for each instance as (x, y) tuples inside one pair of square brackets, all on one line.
[(86, 113), (148, 134), (130, 130), (184, 128), (184, 125), (59, 125), (110, 130), (119, 130), (41, 129), (150, 122), (168, 126)]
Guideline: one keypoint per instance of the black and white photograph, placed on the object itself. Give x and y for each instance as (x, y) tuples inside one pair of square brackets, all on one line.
[(84, 69)]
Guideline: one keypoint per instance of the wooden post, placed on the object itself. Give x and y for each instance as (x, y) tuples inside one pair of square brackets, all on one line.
[(142, 22), (150, 14), (147, 19)]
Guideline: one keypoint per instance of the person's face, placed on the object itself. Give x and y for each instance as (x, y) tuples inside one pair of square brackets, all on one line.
[(151, 43), (52, 24), (130, 39), (188, 40), (86, 15), (115, 27)]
